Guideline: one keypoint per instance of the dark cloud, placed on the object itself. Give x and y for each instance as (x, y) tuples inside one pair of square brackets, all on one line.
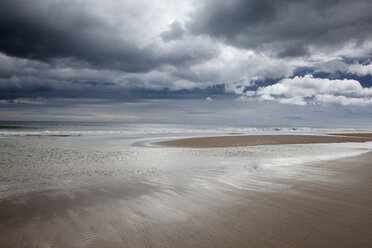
[(130, 50), (50, 30), (35, 88), (282, 25), (296, 50), (175, 32), (231, 18)]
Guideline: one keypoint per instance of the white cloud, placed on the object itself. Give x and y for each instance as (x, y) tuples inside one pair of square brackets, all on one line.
[(308, 86), (293, 100), (342, 100), (360, 70), (338, 65), (309, 90)]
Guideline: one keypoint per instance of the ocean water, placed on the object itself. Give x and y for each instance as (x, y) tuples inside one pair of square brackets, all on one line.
[(70, 156), (23, 128)]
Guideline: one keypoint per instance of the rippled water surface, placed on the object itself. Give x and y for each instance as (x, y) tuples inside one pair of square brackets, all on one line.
[(40, 162)]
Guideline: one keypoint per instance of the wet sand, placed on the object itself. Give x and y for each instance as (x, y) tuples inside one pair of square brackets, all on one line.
[(323, 204), (256, 140), (364, 135)]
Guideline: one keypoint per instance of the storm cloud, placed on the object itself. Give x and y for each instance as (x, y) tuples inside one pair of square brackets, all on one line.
[(79, 31), (128, 51), (285, 27)]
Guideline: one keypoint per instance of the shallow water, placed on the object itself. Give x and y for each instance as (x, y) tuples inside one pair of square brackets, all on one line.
[(30, 164), (105, 189)]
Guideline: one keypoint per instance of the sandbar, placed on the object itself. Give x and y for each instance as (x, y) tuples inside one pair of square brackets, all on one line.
[(257, 140)]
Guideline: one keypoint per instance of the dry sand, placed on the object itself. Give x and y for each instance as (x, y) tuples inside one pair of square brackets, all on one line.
[(330, 207), (255, 140)]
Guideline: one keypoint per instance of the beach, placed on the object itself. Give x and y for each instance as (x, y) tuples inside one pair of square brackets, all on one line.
[(176, 124), (258, 140), (101, 191)]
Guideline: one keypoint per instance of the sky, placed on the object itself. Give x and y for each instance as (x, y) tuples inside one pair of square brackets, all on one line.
[(244, 62)]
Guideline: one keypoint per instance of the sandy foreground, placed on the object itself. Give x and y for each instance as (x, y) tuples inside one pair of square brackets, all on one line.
[(317, 204), (332, 211), (255, 140)]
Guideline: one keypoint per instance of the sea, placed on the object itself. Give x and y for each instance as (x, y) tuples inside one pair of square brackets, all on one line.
[(70, 156), (50, 128)]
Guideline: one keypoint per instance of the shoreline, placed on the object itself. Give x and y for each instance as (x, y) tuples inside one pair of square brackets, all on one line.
[(258, 140)]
